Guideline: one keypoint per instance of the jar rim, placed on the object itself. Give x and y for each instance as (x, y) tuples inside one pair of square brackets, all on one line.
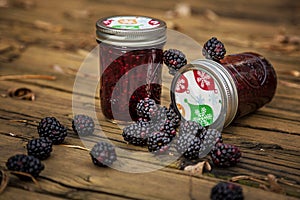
[(131, 30)]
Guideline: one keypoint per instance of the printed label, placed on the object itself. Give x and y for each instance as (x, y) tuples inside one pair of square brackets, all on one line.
[(131, 22), (197, 97)]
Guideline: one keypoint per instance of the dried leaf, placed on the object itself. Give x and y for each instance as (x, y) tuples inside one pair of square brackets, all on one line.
[(4, 179), (274, 186), (195, 169), (21, 93), (47, 26)]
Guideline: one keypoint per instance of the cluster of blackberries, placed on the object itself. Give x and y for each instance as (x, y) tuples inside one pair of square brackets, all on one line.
[(155, 128), (51, 131)]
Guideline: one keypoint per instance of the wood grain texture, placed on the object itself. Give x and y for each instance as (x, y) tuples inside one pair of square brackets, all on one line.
[(53, 38)]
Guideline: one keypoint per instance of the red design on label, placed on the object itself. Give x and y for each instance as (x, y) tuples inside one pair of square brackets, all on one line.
[(204, 81), (153, 22), (182, 84), (107, 22)]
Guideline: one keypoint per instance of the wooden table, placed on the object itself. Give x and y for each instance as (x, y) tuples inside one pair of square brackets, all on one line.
[(53, 38)]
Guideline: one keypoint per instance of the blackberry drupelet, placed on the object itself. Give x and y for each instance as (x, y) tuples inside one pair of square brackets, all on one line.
[(137, 134), (209, 140), (174, 59), (83, 125), (214, 49), (40, 148), (103, 154), (190, 139), (159, 142), (146, 107), (226, 191), (225, 155), (51, 128), (26, 164)]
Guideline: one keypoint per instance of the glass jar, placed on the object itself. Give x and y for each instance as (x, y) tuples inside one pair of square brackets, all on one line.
[(214, 94), (131, 51)]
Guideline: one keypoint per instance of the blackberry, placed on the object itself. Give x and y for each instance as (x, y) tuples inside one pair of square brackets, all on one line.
[(51, 128), (159, 142), (26, 164), (103, 154), (190, 139), (83, 125), (191, 127), (40, 148), (163, 122), (225, 155), (209, 140), (146, 107), (173, 117), (137, 134), (214, 49), (226, 191), (174, 59)]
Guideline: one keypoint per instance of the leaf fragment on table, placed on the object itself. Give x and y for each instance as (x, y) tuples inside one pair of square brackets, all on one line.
[(198, 168), (274, 186), (21, 93)]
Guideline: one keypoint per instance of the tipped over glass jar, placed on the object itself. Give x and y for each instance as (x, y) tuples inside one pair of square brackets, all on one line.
[(215, 93)]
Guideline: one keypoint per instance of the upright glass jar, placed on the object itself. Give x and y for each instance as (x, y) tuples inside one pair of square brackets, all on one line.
[(214, 94), (131, 50)]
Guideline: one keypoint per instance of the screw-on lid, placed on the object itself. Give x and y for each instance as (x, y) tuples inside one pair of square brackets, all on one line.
[(204, 91), (131, 31)]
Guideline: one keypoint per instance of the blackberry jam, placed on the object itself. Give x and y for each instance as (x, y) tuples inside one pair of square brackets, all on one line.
[(214, 94), (131, 51)]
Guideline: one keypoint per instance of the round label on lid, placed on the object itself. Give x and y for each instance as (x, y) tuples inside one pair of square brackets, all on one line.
[(197, 96), (131, 22)]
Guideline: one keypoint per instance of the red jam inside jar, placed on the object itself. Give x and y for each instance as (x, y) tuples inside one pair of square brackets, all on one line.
[(131, 50), (255, 80)]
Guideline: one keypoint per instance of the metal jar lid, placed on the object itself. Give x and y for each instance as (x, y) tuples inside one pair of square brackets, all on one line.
[(131, 31), (204, 91)]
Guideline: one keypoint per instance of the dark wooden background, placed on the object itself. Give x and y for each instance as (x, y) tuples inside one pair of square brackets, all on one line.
[(52, 38)]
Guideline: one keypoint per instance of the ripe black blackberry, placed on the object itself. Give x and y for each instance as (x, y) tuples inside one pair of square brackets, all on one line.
[(51, 128), (83, 125), (226, 191), (190, 139), (159, 142), (214, 49), (26, 164), (173, 117), (137, 134), (146, 107), (103, 154), (174, 59), (40, 148), (209, 140), (225, 155), (163, 122)]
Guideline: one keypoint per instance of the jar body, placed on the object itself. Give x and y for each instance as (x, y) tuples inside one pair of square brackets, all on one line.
[(255, 80), (128, 74)]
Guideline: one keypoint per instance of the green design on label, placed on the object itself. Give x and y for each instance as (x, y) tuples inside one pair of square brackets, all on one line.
[(203, 114)]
